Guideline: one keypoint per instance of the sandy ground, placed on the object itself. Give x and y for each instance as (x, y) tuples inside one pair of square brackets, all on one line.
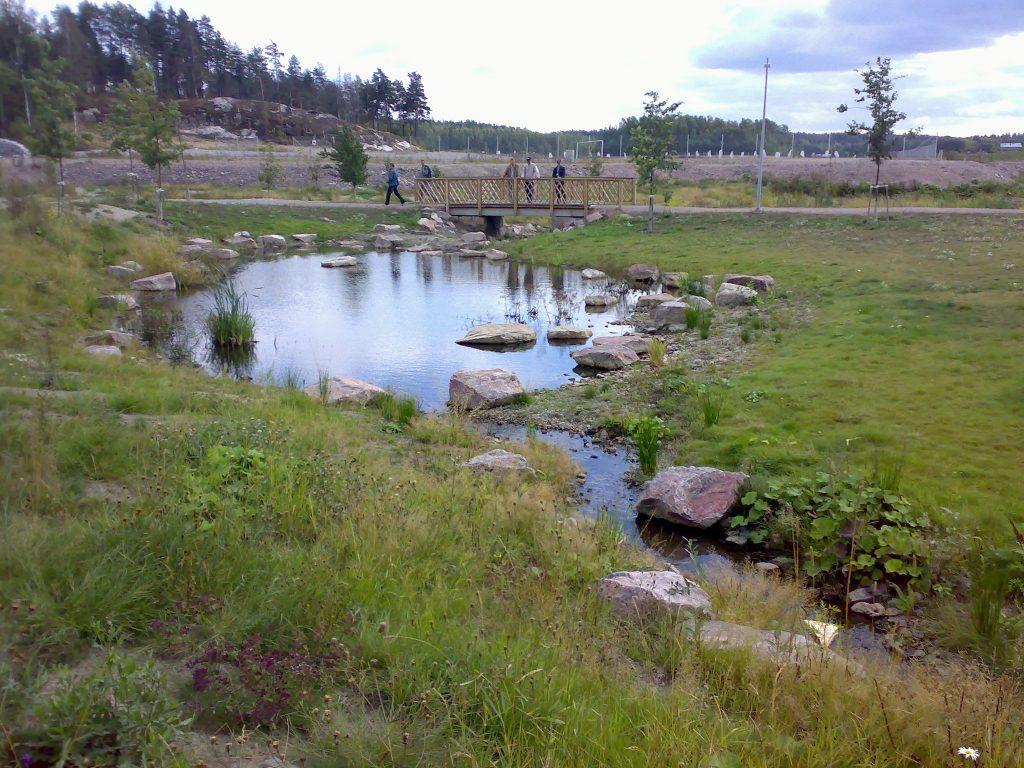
[(242, 169)]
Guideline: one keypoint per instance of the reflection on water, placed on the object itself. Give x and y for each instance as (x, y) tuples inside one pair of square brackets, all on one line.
[(394, 319)]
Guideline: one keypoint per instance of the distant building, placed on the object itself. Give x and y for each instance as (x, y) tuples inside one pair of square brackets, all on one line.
[(1011, 145)]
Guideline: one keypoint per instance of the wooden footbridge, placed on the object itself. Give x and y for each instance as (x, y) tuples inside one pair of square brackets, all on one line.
[(571, 196)]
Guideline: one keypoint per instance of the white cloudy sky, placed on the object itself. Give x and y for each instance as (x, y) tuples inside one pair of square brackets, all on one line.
[(551, 66)]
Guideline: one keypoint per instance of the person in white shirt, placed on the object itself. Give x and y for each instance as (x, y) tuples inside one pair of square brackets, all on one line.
[(530, 172)]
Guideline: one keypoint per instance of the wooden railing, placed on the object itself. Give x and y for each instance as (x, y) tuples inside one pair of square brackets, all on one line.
[(528, 195)]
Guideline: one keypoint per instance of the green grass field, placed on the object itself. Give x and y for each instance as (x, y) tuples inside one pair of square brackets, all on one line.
[(900, 338), (310, 582)]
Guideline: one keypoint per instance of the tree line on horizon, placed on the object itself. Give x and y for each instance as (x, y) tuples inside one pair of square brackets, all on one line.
[(99, 46)]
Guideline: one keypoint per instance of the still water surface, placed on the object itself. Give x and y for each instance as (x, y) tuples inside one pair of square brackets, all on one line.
[(394, 319)]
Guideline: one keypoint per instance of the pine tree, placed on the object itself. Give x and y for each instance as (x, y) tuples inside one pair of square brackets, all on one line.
[(415, 105), (347, 156), (54, 102), (270, 169)]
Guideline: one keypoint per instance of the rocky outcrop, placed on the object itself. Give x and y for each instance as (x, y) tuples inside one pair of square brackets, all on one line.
[(272, 242), (241, 243), (643, 593), (199, 241), (494, 254), (163, 282), (760, 283), (483, 389), (387, 228), (474, 237), (388, 242), (499, 334), (697, 497), (339, 261), (122, 273), (568, 333), (341, 389), (306, 238), (642, 273), (631, 340), (606, 357), (732, 295), (600, 300), (592, 274), (499, 461)]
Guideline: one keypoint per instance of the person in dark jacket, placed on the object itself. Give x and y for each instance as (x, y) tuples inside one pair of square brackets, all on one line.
[(393, 186), (425, 171), (558, 173)]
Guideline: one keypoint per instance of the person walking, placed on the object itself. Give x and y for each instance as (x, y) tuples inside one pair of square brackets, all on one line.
[(558, 173), (425, 171), (530, 172), (393, 186)]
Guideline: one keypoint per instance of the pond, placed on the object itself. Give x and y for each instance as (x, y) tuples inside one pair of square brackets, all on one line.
[(393, 320)]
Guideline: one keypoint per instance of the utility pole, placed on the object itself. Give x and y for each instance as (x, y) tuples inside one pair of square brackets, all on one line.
[(620, 145), (687, 143), (828, 152), (721, 147), (760, 156)]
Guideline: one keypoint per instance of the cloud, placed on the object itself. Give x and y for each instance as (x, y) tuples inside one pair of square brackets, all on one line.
[(849, 32)]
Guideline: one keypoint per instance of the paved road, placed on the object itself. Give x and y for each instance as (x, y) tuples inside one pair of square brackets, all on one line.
[(640, 210)]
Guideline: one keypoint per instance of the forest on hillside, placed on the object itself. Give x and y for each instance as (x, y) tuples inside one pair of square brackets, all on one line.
[(98, 46)]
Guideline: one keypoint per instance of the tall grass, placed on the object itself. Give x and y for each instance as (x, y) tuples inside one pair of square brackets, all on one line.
[(704, 323), (656, 349), (710, 400), (230, 323), (396, 409), (323, 385), (647, 432)]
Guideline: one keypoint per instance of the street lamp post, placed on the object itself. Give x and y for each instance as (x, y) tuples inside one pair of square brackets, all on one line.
[(760, 158)]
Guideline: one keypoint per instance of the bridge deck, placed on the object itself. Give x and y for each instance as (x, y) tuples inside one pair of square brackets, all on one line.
[(569, 196)]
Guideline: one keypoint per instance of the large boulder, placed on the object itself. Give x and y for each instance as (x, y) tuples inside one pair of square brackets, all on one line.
[(387, 228), (645, 593), (669, 313), (631, 340), (103, 350), (121, 301), (341, 389), (134, 266), (600, 300), (388, 242), (760, 283), (674, 279), (697, 497), (494, 254), (111, 339), (202, 241), (732, 295), (642, 273), (568, 333), (242, 243), (654, 299), (122, 273), (498, 334), (606, 357), (483, 389), (499, 461), (272, 242), (592, 274), (774, 646), (306, 238), (700, 303), (163, 282), (474, 237), (339, 261), (10, 148)]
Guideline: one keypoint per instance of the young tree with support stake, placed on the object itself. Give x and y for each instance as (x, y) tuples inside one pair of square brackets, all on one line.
[(652, 142), (146, 123), (880, 95)]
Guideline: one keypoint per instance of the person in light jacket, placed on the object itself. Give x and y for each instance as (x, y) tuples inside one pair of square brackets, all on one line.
[(530, 172), (393, 186)]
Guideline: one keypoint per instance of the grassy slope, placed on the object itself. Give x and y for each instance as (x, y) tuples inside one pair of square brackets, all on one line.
[(913, 346), (466, 608)]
